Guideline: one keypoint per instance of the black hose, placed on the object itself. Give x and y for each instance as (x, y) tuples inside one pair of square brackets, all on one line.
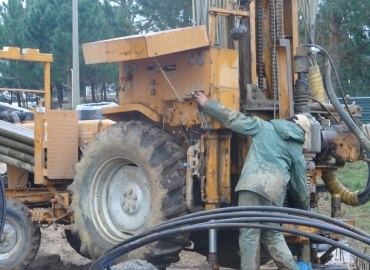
[(293, 211), (236, 209), (2, 205), (363, 196), (227, 212), (225, 224)]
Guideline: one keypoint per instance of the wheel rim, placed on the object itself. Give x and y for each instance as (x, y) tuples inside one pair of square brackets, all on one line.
[(11, 239), (119, 199)]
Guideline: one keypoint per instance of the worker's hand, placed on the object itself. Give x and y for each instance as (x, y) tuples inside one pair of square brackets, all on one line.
[(201, 98)]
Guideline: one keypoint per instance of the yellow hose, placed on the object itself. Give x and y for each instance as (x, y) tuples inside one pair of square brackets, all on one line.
[(336, 187), (316, 84)]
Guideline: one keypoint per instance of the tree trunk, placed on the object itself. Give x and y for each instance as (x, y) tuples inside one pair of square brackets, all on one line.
[(104, 92), (93, 97), (60, 95)]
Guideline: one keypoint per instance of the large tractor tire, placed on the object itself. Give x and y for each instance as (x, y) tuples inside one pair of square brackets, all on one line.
[(130, 178), (21, 238)]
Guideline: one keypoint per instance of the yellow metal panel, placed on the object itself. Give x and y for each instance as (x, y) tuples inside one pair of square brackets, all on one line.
[(143, 46), (39, 132), (176, 40), (14, 53), (88, 128), (115, 50), (62, 137), (129, 108)]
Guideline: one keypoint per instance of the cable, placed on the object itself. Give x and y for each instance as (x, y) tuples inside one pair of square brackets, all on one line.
[(325, 108), (230, 224), (240, 211)]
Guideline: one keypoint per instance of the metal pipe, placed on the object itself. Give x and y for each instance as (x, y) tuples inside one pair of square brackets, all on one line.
[(17, 133), (11, 107), (17, 145), (212, 249), (17, 163), (224, 224), (17, 154)]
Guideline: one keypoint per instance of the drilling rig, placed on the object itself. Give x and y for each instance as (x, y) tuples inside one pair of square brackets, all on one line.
[(156, 157)]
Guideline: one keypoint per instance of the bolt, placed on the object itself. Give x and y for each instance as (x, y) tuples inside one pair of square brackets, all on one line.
[(130, 191), (134, 197), (127, 208), (125, 193), (133, 206), (124, 201)]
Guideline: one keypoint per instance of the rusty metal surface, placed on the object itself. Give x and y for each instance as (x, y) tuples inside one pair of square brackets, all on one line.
[(62, 144), (144, 88)]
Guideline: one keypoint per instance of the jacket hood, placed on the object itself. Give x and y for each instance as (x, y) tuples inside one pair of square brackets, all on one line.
[(288, 130)]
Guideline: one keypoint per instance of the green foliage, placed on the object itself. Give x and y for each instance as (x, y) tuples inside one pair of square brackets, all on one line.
[(157, 15), (15, 74), (354, 177), (343, 27)]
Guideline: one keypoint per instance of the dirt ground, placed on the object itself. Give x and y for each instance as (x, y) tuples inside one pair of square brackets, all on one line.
[(56, 254)]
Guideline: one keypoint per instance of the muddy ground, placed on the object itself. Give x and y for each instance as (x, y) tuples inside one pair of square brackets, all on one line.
[(56, 254)]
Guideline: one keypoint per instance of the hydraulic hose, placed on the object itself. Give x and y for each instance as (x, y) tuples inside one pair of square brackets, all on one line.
[(335, 187), (243, 211), (364, 140), (364, 196), (145, 238)]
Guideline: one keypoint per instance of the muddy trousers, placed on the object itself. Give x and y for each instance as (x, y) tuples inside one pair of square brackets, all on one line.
[(250, 239)]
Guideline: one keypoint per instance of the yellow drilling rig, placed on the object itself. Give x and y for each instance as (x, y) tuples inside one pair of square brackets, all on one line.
[(155, 156)]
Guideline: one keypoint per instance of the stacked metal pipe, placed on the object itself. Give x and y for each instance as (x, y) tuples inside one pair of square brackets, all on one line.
[(16, 146)]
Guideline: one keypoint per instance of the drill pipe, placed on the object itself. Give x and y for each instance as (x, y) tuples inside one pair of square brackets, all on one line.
[(17, 133), (17, 163), (143, 239), (17, 145), (17, 155)]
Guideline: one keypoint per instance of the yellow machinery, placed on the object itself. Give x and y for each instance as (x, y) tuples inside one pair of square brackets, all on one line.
[(156, 156)]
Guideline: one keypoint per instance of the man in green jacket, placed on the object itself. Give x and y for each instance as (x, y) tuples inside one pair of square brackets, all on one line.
[(274, 158)]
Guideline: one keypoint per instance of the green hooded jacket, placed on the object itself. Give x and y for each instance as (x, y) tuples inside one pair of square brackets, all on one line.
[(274, 158)]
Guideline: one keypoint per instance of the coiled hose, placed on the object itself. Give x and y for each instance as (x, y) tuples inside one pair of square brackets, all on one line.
[(239, 217), (334, 186)]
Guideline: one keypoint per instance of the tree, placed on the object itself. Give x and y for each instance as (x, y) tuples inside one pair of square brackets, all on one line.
[(156, 15), (16, 74), (343, 27)]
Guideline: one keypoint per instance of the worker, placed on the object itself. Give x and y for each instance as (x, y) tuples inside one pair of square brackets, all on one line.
[(274, 159)]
